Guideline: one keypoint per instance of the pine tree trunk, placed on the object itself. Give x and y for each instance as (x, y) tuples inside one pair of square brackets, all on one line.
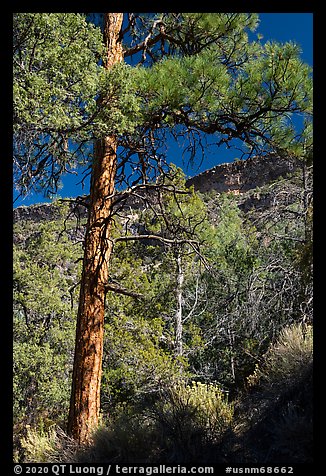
[(87, 371), (178, 314)]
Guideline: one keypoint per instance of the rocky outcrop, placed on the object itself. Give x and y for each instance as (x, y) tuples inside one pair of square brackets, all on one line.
[(234, 177), (242, 175), (46, 211)]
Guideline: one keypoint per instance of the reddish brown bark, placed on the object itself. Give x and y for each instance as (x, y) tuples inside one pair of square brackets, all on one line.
[(87, 371)]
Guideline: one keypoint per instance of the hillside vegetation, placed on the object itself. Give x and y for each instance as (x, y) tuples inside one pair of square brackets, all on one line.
[(207, 355)]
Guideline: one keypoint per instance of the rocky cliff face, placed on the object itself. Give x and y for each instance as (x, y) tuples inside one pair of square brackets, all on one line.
[(243, 175), (45, 211), (235, 177)]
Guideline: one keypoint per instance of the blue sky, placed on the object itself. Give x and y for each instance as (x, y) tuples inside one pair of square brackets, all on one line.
[(281, 27)]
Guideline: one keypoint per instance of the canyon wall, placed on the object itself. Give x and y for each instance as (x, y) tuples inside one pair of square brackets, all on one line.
[(242, 175), (234, 177)]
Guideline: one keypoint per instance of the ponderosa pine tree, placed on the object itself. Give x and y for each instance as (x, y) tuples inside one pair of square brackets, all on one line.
[(195, 74), (86, 380)]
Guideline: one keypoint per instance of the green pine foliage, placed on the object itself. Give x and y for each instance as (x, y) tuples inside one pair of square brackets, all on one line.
[(211, 79), (52, 53), (44, 320)]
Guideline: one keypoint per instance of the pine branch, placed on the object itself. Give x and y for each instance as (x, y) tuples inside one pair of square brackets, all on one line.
[(143, 45), (125, 292), (152, 40), (167, 241)]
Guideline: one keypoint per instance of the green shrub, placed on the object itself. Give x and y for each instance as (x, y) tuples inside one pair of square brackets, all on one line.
[(189, 418), (178, 427), (209, 404), (47, 446), (38, 446), (130, 438), (287, 359), (274, 422)]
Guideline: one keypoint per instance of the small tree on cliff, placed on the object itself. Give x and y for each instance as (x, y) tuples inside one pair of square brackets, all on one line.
[(195, 74)]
